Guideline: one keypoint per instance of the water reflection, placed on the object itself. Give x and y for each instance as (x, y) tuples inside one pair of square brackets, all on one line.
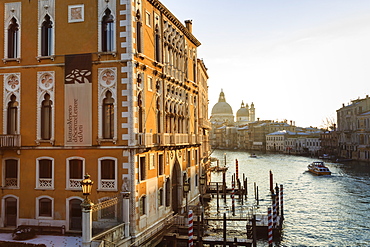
[(319, 210)]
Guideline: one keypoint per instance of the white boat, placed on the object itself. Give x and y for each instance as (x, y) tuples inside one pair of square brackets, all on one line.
[(253, 156), (318, 168)]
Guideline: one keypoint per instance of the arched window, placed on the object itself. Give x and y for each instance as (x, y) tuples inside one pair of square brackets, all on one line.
[(158, 116), (12, 123), (46, 118), (141, 112), (108, 116), (157, 45), (168, 192), (46, 36), (45, 207), (139, 44), (107, 31), (13, 38)]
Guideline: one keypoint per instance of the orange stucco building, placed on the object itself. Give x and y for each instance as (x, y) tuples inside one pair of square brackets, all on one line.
[(112, 88)]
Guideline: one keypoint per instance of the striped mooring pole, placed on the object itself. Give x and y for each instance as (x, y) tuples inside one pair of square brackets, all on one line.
[(277, 199), (274, 210), (281, 202), (237, 169), (190, 224), (269, 230)]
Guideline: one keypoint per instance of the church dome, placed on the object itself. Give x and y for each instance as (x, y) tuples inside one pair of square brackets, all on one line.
[(242, 112), (222, 107)]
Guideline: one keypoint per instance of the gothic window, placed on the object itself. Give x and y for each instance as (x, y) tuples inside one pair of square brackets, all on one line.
[(107, 174), (139, 44), (141, 113), (107, 31), (158, 116), (12, 123), (46, 118), (13, 39), (46, 36), (45, 174), (11, 173), (74, 173), (108, 116)]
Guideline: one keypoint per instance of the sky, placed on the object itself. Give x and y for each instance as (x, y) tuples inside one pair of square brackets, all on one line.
[(297, 60)]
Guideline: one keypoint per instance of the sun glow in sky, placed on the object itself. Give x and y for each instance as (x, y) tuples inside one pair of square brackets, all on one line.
[(295, 60)]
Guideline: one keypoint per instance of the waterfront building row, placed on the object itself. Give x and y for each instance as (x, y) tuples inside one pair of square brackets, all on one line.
[(112, 88)]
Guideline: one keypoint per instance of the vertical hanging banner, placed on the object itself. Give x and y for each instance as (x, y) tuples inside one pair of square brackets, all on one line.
[(78, 100)]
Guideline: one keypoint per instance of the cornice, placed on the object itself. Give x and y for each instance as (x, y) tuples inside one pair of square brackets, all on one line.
[(174, 20)]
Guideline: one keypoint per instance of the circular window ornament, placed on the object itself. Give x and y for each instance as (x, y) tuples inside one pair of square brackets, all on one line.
[(12, 83), (46, 81), (108, 78)]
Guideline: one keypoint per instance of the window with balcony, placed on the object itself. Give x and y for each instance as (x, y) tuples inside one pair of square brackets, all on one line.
[(108, 116), (47, 36), (13, 39), (11, 173), (75, 170), (107, 174), (12, 115), (45, 174), (107, 33)]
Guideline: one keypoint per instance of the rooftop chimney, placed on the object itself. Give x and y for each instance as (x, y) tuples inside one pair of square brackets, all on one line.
[(189, 25)]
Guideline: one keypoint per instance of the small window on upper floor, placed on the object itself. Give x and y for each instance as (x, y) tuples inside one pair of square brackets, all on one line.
[(107, 32), (47, 37), (13, 39), (148, 20)]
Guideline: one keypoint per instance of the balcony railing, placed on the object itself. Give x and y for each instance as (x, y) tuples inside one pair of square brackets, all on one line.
[(144, 139), (45, 183), (11, 182), (8, 141), (108, 184)]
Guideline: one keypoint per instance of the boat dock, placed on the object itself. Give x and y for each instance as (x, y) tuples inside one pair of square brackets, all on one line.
[(239, 222)]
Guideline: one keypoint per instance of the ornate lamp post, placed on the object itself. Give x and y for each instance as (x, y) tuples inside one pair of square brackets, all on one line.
[(86, 205), (186, 189)]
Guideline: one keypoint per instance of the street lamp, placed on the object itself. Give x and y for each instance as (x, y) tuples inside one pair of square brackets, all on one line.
[(186, 189), (86, 206), (86, 185)]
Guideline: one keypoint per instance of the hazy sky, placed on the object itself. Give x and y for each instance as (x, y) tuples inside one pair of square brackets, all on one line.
[(298, 60)]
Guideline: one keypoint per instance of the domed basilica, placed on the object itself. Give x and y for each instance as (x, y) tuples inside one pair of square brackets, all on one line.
[(222, 114), (225, 131)]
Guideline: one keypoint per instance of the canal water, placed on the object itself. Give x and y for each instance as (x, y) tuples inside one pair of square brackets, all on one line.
[(318, 210)]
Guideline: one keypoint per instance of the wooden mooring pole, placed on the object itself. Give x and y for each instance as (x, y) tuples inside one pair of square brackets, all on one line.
[(224, 230)]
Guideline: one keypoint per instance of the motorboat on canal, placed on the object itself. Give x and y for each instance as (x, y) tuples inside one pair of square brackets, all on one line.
[(253, 155), (318, 168)]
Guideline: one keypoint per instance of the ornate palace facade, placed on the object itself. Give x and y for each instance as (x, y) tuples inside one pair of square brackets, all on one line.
[(112, 88)]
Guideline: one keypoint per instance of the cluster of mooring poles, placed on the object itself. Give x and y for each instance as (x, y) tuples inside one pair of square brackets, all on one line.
[(274, 219), (274, 211)]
